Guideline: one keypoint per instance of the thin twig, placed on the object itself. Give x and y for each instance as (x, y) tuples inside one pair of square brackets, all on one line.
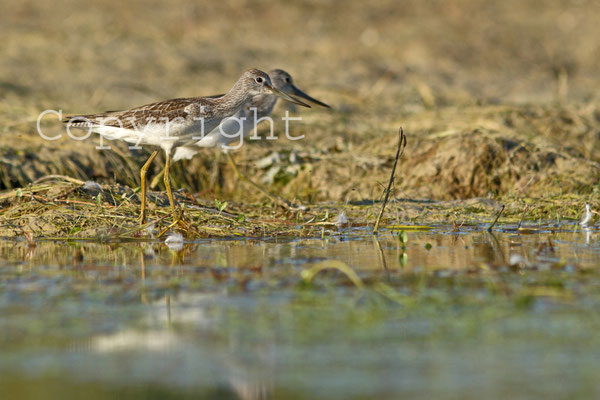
[(139, 228), (399, 152), (496, 220), (523, 216), (59, 178)]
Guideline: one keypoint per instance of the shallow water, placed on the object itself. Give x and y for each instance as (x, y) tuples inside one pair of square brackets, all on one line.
[(512, 314)]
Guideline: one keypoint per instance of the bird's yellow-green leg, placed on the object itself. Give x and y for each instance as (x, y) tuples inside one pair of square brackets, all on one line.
[(143, 184), (178, 217), (167, 181)]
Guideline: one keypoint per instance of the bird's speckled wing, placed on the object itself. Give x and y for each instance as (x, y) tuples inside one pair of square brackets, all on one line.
[(174, 110)]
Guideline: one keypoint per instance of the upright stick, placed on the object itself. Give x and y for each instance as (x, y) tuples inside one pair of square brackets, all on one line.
[(399, 152)]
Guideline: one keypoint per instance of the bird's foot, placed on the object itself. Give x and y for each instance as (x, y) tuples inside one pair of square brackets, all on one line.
[(180, 220), (142, 218)]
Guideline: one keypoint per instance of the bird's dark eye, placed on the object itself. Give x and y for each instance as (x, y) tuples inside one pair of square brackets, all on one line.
[(259, 80), (287, 80)]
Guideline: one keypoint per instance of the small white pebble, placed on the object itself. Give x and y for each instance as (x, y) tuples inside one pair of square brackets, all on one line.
[(174, 241), (268, 161), (92, 186)]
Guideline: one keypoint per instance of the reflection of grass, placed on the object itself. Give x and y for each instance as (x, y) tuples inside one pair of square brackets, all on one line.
[(325, 333)]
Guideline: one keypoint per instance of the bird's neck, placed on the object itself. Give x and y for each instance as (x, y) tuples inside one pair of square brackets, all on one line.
[(264, 103), (235, 98)]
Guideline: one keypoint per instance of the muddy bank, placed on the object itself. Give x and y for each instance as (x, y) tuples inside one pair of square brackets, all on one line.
[(64, 208), (453, 153)]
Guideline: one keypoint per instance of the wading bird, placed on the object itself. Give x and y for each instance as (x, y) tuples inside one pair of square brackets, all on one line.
[(242, 123), (174, 123)]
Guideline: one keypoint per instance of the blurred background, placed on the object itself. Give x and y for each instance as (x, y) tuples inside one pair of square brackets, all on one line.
[(522, 74)]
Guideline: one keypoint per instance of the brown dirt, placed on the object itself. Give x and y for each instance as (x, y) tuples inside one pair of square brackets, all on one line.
[(68, 209), (499, 152)]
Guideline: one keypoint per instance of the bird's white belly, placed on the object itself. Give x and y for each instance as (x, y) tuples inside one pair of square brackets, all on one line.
[(229, 131), (152, 134), (162, 135)]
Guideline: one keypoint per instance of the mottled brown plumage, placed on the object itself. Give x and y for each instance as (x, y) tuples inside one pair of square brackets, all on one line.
[(141, 116)]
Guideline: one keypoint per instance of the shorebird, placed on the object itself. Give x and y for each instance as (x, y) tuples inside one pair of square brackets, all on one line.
[(173, 123), (230, 130), (243, 122)]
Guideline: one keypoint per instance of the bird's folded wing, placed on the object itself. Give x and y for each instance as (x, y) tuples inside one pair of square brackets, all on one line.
[(171, 111)]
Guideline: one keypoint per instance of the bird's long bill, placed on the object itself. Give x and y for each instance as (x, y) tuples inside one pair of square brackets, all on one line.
[(299, 93), (287, 97)]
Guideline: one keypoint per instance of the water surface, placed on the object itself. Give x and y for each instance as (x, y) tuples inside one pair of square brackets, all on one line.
[(442, 315)]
